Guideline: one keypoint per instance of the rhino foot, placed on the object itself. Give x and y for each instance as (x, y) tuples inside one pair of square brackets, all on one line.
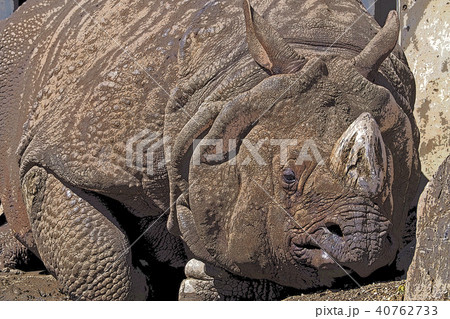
[(13, 254), (80, 242), (208, 283)]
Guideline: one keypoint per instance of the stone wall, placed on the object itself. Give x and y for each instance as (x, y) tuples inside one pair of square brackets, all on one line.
[(425, 38)]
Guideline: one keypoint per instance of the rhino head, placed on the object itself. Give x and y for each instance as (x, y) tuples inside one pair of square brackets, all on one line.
[(292, 180)]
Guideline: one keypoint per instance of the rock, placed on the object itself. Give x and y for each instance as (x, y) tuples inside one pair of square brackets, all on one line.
[(429, 275), (423, 38)]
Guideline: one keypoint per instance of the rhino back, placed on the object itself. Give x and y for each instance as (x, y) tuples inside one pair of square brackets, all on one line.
[(97, 75)]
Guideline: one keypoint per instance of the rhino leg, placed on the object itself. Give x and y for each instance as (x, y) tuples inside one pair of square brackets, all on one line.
[(208, 283), (79, 241)]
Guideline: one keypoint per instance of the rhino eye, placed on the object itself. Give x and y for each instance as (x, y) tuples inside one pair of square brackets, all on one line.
[(289, 176)]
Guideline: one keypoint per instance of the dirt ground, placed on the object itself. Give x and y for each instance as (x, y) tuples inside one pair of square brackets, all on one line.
[(19, 285), (16, 285), (382, 291)]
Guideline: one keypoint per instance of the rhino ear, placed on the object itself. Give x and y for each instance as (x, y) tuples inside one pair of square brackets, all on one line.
[(360, 157), (267, 47), (379, 48)]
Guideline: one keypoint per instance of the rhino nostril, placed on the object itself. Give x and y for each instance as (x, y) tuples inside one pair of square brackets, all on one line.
[(335, 229)]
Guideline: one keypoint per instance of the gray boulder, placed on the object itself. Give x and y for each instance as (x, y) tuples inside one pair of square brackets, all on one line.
[(429, 275)]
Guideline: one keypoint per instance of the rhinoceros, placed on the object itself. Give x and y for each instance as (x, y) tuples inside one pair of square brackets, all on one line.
[(261, 147)]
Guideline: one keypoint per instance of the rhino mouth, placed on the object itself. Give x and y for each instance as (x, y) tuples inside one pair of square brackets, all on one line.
[(310, 253), (339, 245)]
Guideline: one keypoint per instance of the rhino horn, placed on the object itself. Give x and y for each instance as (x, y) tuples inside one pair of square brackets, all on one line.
[(377, 50), (267, 47), (361, 158)]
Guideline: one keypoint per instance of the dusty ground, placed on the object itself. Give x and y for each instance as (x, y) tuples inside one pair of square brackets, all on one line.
[(35, 285), (19, 285), (382, 291)]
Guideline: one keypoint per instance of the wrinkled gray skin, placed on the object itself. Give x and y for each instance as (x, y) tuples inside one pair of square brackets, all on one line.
[(72, 98)]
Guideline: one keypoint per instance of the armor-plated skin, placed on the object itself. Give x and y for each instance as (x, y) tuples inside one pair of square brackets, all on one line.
[(80, 79)]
